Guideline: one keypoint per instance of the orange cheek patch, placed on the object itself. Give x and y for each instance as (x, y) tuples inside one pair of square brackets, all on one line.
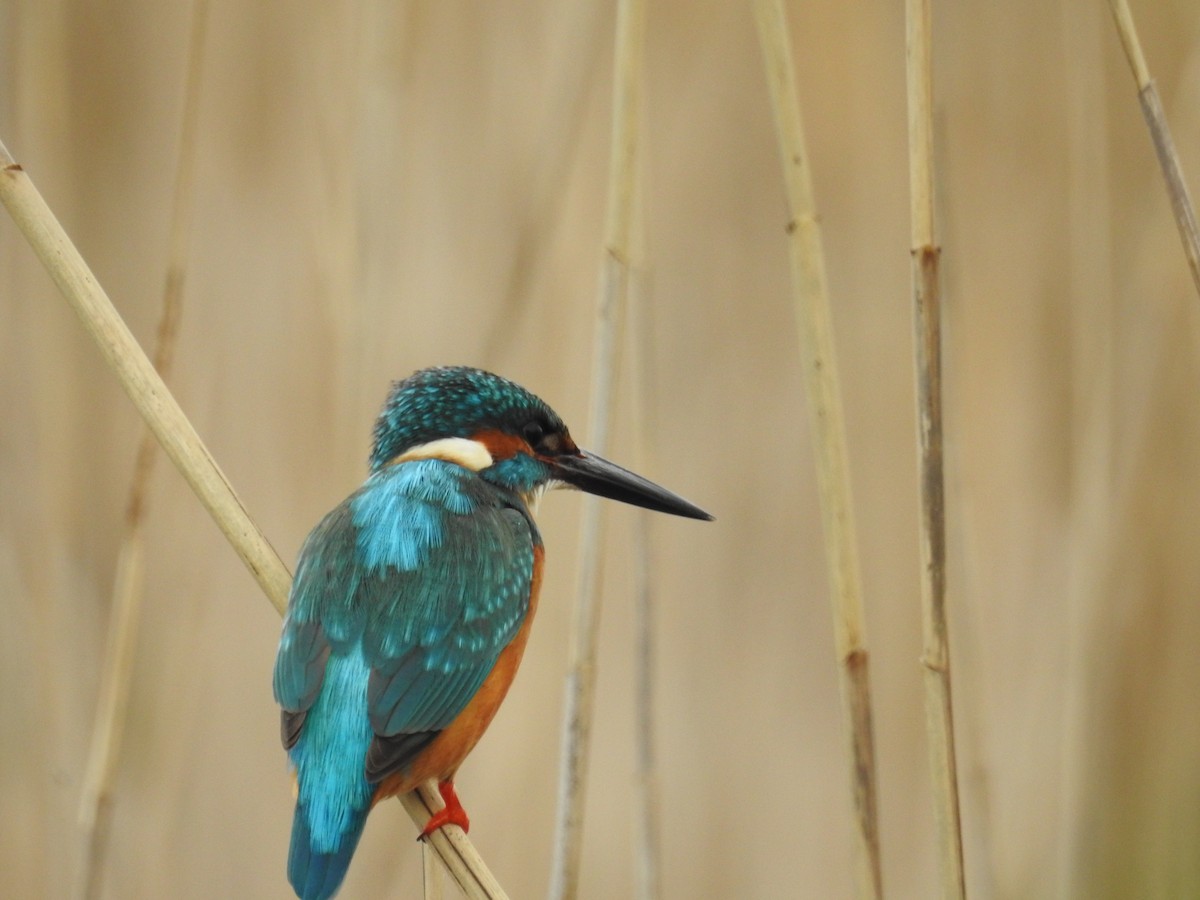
[(501, 445)]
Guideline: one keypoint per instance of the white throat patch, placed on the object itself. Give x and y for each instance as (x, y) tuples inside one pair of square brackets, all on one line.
[(534, 498), (467, 453)]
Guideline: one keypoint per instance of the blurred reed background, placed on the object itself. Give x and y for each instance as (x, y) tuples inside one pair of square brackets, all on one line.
[(384, 186)]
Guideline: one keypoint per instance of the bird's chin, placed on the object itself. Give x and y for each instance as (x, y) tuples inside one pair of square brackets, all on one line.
[(533, 497)]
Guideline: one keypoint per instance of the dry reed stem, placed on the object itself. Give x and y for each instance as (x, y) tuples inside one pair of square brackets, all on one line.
[(829, 438), (113, 697), (581, 674), (178, 438), (1160, 134), (452, 846), (935, 656), (431, 874), (647, 843), (95, 807), (137, 376)]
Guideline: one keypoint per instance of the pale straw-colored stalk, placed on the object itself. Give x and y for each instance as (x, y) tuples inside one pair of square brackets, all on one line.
[(614, 288), (648, 836), (95, 808), (138, 378), (179, 439), (647, 806), (829, 440), (432, 882), (1160, 134), (935, 656)]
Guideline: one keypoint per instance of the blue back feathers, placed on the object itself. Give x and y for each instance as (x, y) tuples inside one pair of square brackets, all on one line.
[(403, 599)]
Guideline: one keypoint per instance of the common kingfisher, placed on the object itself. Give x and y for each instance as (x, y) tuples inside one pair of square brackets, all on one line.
[(412, 602)]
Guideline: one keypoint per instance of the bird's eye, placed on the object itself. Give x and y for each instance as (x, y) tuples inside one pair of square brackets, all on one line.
[(533, 432)]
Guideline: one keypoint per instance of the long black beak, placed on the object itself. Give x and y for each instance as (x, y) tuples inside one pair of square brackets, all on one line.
[(597, 475)]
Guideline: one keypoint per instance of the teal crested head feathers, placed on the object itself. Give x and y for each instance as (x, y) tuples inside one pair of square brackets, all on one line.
[(453, 401), (507, 434), (412, 603)]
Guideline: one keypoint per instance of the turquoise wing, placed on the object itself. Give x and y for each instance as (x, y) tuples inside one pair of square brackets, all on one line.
[(322, 592), (427, 568)]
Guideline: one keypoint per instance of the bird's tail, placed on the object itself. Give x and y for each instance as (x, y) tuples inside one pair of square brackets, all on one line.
[(314, 873)]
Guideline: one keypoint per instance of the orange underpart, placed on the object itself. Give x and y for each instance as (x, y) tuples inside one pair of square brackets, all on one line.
[(445, 754), (450, 814)]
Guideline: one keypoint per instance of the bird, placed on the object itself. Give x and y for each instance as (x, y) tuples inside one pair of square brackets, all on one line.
[(413, 599)]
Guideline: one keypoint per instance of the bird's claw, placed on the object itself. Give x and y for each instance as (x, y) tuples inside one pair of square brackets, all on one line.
[(450, 814)]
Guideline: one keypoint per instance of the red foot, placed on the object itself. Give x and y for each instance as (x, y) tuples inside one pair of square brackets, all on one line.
[(450, 814)]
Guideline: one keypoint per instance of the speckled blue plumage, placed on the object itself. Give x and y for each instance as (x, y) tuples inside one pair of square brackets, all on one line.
[(434, 403), (403, 599)]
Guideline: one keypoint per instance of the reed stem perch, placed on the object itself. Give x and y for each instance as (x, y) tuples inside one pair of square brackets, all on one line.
[(178, 438)]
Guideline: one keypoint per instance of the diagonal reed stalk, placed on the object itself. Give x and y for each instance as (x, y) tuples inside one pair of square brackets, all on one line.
[(1160, 134), (431, 874), (829, 436), (614, 289), (178, 438), (95, 809), (935, 656)]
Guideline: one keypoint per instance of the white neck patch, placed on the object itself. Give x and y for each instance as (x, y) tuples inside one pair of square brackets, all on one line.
[(467, 453), (534, 497)]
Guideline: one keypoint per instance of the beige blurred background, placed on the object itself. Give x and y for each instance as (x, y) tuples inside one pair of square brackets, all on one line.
[(386, 185)]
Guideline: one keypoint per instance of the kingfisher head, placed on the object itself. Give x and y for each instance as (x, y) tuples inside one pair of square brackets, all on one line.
[(508, 435)]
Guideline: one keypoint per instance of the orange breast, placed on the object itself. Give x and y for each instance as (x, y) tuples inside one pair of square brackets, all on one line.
[(441, 759)]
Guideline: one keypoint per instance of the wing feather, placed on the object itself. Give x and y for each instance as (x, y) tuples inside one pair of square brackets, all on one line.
[(428, 566)]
